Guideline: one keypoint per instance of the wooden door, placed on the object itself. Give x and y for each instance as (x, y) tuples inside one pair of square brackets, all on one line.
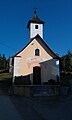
[(36, 75)]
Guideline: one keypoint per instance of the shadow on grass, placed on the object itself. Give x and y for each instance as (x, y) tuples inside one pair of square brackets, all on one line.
[(6, 82)]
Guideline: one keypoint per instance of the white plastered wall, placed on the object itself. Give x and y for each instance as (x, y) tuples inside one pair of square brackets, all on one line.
[(34, 32), (16, 67), (50, 70)]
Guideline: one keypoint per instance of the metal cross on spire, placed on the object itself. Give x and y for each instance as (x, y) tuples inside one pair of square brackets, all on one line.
[(35, 11)]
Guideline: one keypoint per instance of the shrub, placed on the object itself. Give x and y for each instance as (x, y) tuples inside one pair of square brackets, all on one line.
[(51, 82)]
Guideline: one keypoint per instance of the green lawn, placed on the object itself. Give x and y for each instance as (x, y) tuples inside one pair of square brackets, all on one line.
[(5, 76), (5, 79)]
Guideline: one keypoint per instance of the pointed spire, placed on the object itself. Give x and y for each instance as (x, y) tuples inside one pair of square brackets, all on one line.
[(35, 12), (35, 19)]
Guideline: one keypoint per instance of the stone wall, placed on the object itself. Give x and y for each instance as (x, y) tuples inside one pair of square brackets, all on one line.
[(36, 90)]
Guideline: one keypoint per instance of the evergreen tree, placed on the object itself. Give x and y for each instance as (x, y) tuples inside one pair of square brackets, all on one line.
[(4, 62), (69, 61), (66, 62), (62, 63), (0, 61)]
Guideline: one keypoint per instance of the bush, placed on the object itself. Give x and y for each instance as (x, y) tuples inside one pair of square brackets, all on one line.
[(51, 82), (64, 78), (22, 80)]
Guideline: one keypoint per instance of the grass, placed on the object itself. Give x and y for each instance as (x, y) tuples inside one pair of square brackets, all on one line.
[(5, 76), (5, 79)]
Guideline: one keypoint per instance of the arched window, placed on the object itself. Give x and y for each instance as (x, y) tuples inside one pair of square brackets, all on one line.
[(37, 52), (36, 26)]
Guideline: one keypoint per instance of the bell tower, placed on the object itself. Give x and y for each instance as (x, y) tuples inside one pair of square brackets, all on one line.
[(35, 26)]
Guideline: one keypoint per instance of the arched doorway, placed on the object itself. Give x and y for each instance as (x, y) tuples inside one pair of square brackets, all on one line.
[(36, 75)]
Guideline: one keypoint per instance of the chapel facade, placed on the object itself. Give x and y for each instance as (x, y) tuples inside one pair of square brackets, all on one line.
[(36, 62)]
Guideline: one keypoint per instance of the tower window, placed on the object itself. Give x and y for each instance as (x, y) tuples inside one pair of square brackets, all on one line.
[(37, 52), (36, 26)]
